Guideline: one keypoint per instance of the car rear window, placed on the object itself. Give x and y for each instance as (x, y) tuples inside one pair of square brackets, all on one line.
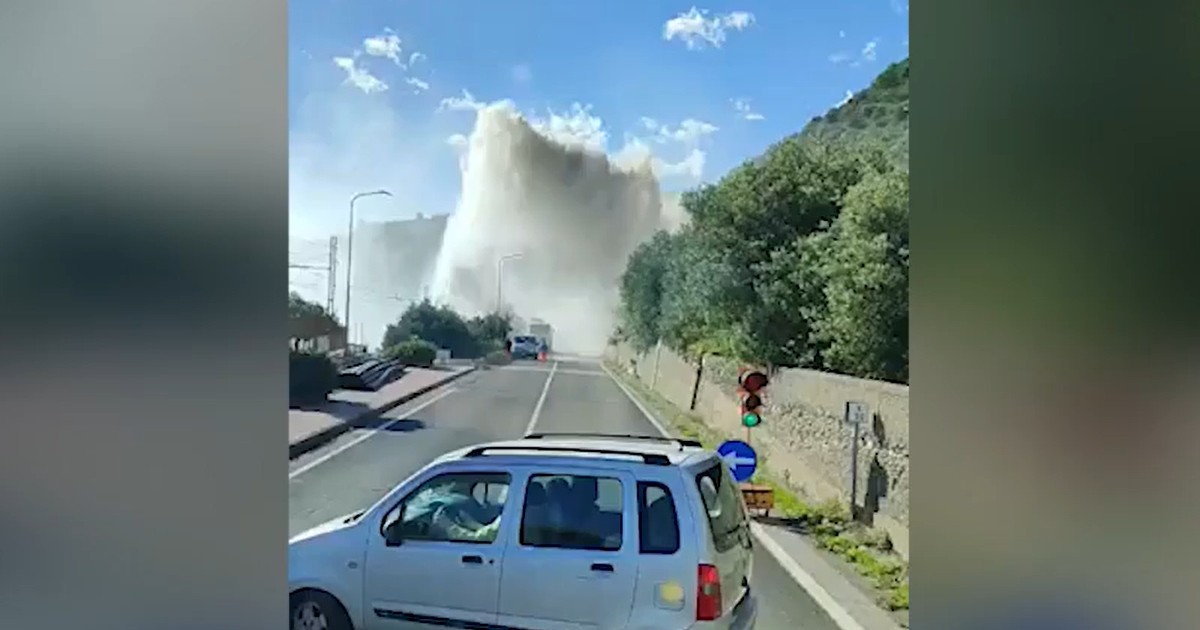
[(658, 524), (723, 506), (523, 339)]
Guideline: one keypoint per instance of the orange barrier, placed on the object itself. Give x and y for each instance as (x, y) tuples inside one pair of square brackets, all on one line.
[(758, 497)]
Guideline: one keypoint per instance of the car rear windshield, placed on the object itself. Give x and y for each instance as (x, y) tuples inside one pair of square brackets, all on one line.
[(726, 519), (524, 339)]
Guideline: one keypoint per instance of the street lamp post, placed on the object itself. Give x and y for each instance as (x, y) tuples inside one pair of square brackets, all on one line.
[(350, 252), (500, 278)]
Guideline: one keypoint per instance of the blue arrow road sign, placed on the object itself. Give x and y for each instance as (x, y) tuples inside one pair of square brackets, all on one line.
[(740, 458)]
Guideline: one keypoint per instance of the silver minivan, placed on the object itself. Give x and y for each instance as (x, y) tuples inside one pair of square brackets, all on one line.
[(552, 531)]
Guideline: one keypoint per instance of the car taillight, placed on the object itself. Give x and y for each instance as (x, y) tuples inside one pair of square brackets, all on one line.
[(708, 593)]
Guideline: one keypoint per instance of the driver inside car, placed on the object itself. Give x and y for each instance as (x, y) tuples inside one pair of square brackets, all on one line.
[(457, 516)]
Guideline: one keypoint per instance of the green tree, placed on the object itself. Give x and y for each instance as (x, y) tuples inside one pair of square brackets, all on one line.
[(641, 290), (865, 321), (796, 258), (308, 320), (490, 330), (438, 325), (414, 351)]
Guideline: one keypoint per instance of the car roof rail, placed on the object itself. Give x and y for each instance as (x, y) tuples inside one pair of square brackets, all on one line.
[(654, 459), (682, 442)]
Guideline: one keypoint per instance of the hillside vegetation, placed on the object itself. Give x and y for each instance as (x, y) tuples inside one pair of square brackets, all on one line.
[(796, 258), (878, 113)]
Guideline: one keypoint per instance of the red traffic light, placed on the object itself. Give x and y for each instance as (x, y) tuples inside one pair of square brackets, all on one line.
[(752, 381)]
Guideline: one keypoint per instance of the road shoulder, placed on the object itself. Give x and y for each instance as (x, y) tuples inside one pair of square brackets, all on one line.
[(844, 602)]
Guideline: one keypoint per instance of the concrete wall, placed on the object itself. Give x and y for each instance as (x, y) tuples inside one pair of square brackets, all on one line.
[(802, 436)]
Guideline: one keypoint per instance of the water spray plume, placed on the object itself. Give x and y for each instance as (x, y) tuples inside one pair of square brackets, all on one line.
[(572, 213)]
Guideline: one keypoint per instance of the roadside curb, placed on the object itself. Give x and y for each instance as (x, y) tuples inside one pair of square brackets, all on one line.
[(320, 438), (837, 613)]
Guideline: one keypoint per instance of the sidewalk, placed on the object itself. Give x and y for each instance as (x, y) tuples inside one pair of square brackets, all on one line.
[(311, 428), (845, 603)]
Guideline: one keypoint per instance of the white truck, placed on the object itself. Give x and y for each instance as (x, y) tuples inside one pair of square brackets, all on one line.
[(543, 331)]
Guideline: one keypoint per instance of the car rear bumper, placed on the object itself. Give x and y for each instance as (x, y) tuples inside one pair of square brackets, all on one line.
[(742, 617)]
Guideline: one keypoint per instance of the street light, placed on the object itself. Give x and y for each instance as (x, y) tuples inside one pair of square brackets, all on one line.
[(350, 252), (500, 278)]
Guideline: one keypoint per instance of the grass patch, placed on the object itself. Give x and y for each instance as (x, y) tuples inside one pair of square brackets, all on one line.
[(828, 523)]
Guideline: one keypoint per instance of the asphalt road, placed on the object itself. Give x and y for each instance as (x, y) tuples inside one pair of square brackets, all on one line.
[(355, 470)]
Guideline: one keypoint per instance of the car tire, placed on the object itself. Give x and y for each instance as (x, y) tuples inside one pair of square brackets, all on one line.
[(316, 610)]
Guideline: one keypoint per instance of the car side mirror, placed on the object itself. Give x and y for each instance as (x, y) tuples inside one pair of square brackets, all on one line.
[(393, 535)]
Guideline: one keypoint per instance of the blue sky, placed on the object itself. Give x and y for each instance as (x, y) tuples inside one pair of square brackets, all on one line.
[(705, 85)]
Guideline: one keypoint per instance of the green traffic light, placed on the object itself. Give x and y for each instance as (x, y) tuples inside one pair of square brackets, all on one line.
[(751, 419)]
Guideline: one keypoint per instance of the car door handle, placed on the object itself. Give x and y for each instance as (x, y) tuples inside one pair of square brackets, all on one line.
[(472, 559), (602, 566)]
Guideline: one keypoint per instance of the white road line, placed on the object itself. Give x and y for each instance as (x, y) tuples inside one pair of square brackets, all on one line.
[(836, 611), (524, 368), (645, 412), (358, 440), (537, 409)]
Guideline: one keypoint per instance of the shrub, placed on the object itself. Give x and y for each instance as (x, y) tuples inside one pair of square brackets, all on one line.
[(311, 377), (498, 357), (417, 352)]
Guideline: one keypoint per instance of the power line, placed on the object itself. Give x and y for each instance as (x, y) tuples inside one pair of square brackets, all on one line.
[(330, 269)]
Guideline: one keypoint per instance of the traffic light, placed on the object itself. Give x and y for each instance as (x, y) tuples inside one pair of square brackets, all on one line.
[(751, 384)]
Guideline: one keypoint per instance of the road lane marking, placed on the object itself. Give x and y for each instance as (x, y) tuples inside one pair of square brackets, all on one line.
[(638, 403), (523, 368), (537, 409), (369, 432), (806, 581), (835, 610)]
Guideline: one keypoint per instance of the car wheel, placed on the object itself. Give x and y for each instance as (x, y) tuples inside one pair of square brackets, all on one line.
[(314, 610)]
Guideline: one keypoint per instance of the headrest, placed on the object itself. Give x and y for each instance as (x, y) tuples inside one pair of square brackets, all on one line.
[(585, 489), (536, 495)]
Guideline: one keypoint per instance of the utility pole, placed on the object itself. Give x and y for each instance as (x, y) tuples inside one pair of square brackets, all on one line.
[(332, 275), (350, 252), (500, 278)]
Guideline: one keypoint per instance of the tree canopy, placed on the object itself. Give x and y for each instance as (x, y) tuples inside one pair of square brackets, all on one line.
[(797, 258), (307, 320), (445, 328)]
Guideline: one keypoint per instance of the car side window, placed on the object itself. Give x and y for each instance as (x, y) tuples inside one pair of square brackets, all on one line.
[(452, 507), (573, 512), (658, 524)]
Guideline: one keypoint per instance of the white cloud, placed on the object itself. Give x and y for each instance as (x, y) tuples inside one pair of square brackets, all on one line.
[(522, 74), (867, 55), (578, 126), (692, 166), (385, 45), (359, 77), (742, 106), (842, 34), (899, 6), (868, 51), (417, 84), (696, 29), (415, 57), (464, 103), (689, 131)]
